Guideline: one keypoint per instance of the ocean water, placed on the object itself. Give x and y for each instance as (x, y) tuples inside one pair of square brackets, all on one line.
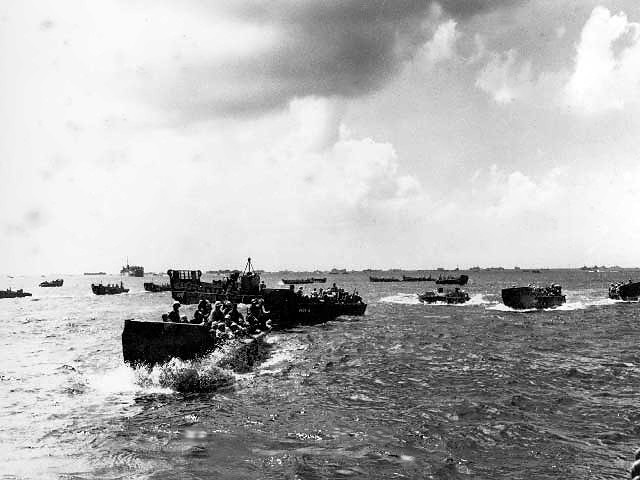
[(407, 391)]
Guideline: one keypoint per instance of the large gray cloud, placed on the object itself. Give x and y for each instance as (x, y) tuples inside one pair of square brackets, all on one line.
[(332, 47)]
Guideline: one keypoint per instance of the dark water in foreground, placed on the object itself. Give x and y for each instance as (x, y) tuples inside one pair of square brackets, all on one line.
[(408, 391)]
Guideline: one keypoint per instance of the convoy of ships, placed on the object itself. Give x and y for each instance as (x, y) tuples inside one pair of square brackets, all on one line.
[(152, 342)]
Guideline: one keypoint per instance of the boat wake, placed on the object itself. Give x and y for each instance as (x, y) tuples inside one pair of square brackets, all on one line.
[(577, 304), (215, 372), (412, 299), (402, 299), (284, 354)]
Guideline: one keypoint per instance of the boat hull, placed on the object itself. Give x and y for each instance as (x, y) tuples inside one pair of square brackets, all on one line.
[(14, 294), (155, 288), (461, 280), (405, 278), (151, 343), (105, 290), (157, 342), (287, 309), (526, 298), (383, 279)]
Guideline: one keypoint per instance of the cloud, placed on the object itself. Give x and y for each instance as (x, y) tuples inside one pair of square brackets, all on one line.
[(504, 79), (507, 79), (26, 224), (606, 75), (443, 44)]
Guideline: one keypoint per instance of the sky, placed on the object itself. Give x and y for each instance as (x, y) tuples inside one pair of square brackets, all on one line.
[(305, 134)]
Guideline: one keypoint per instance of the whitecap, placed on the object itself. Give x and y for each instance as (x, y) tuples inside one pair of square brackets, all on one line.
[(402, 299)]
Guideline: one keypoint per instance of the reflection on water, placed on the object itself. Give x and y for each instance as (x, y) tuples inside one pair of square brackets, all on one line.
[(409, 390)]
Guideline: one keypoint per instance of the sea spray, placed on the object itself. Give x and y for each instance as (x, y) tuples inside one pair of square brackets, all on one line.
[(208, 374), (193, 376)]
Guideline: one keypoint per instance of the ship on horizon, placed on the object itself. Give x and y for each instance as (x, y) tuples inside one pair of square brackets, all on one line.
[(132, 270)]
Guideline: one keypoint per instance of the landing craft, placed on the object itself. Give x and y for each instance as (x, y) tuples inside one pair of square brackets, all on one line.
[(531, 297), (629, 292), (287, 307), (449, 296), (108, 289), (459, 280), (14, 293)]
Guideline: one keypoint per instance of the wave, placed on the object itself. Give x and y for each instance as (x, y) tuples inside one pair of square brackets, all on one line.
[(402, 299), (580, 304), (412, 299), (215, 372)]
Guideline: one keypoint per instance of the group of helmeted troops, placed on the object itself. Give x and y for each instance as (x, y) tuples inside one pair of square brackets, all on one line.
[(223, 318), (333, 294), (551, 290), (614, 288)]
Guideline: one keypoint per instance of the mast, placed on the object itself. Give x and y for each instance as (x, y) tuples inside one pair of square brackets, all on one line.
[(248, 268)]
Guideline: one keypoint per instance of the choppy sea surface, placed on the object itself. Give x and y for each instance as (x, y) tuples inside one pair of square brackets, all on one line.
[(407, 391)]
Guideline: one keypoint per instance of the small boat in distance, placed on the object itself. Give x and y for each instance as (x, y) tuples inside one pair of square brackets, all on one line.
[(338, 271), (108, 289), (303, 281), (533, 297), (52, 283), (407, 278), (450, 280), (447, 295), (14, 293), (629, 292), (384, 279), (94, 273), (157, 287)]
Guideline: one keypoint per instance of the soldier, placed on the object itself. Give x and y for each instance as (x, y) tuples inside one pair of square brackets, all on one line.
[(174, 314)]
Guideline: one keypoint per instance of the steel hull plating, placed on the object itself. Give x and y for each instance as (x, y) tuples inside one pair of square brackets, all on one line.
[(629, 292), (525, 298)]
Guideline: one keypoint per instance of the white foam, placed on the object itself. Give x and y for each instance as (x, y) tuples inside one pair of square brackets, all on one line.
[(126, 380), (413, 299), (402, 299), (566, 307), (284, 355)]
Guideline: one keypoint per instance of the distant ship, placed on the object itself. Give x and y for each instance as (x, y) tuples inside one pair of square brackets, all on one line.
[(52, 283), (94, 273), (450, 280), (336, 271), (407, 278), (132, 270), (475, 269), (14, 293), (303, 281), (384, 279), (533, 297)]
